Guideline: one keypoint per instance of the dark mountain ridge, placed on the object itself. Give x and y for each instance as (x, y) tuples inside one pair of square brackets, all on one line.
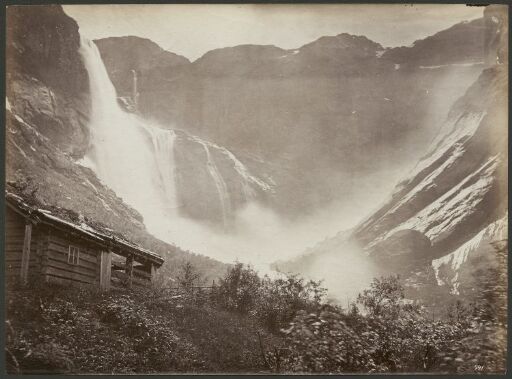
[(263, 102), (440, 48)]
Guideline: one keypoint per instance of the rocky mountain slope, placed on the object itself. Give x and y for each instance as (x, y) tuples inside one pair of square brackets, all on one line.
[(47, 111), (308, 117), (141, 55), (462, 43), (47, 81), (440, 223), (212, 183)]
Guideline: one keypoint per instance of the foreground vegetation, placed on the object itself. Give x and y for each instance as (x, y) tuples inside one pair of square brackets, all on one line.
[(250, 324)]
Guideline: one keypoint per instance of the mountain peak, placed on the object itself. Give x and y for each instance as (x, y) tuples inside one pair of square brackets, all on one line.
[(135, 45), (344, 41), (461, 43)]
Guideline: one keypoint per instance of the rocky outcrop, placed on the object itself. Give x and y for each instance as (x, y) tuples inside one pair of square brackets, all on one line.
[(46, 79), (211, 183), (496, 36), (402, 251), (463, 264), (467, 155), (123, 55), (43, 42)]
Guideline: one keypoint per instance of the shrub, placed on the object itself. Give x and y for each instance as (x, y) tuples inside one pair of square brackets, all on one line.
[(68, 330), (381, 333), (239, 289), (188, 276), (274, 302), (280, 299)]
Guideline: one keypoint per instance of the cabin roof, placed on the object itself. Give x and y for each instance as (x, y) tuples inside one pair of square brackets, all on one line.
[(102, 237)]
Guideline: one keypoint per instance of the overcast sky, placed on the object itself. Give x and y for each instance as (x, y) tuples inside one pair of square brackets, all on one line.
[(192, 30)]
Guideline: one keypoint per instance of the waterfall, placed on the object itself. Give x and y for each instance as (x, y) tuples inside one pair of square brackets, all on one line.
[(131, 156), (163, 146), (135, 158), (220, 184)]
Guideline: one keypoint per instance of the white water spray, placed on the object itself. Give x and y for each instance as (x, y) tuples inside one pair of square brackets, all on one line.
[(163, 146), (133, 158), (220, 184)]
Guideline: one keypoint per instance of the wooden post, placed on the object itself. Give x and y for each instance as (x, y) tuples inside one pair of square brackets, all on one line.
[(129, 269), (25, 254), (153, 272), (40, 252), (105, 270), (44, 257)]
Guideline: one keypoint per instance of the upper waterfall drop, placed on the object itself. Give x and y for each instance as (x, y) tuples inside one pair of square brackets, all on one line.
[(137, 160), (130, 155)]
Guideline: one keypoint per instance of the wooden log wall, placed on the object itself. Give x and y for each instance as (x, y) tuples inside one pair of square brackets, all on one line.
[(56, 267), (15, 226), (121, 279), (105, 262), (48, 258)]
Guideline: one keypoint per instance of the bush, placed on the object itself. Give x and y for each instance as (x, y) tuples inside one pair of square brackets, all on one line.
[(188, 276), (52, 329), (381, 333), (484, 349), (281, 299), (274, 302), (239, 289), (253, 324)]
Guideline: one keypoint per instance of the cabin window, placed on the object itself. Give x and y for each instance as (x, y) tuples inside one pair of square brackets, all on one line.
[(73, 255)]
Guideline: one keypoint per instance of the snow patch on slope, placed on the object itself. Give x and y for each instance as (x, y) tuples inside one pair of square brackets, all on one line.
[(493, 232), (238, 166), (469, 64), (447, 211), (428, 182), (453, 131)]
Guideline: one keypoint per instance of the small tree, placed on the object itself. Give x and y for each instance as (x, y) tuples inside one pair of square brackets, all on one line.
[(239, 289), (282, 298), (485, 348), (188, 276), (384, 297)]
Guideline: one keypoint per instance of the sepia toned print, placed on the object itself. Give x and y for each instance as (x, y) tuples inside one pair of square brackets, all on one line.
[(256, 189)]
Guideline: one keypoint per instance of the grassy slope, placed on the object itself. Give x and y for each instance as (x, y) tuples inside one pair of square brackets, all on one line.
[(69, 330)]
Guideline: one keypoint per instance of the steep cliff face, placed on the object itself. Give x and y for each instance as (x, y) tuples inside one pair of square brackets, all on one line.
[(460, 186), (263, 102), (211, 183), (46, 79), (143, 56), (439, 225)]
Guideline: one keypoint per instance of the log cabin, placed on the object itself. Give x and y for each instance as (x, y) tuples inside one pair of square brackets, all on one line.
[(41, 245)]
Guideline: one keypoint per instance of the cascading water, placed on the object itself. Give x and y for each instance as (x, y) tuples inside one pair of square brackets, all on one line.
[(136, 160), (132, 157), (163, 146), (220, 184)]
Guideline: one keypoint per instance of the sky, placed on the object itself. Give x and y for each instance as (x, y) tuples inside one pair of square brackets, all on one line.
[(192, 30)]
